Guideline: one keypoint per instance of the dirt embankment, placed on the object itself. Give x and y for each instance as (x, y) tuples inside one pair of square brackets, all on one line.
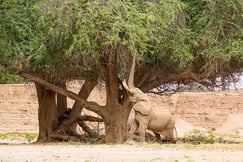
[(18, 107)]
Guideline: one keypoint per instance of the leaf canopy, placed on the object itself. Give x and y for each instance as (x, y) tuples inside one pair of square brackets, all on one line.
[(68, 39)]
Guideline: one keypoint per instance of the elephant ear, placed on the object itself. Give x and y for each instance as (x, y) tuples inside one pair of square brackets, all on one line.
[(144, 107)]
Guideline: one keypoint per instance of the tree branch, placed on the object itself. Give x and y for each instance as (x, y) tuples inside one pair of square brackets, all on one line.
[(112, 82), (173, 77), (83, 118), (92, 106), (84, 93), (86, 128)]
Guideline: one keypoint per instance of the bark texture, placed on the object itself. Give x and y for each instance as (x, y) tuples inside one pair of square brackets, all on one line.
[(115, 115), (47, 113), (61, 100), (116, 126), (77, 108)]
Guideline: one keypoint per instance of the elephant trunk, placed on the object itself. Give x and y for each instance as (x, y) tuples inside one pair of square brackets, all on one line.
[(130, 90), (131, 74)]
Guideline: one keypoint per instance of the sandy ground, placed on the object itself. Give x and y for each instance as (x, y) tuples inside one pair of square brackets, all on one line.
[(121, 153), (14, 151)]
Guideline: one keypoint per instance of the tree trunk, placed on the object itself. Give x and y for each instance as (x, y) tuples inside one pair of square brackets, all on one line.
[(115, 116), (47, 112), (116, 129), (61, 100)]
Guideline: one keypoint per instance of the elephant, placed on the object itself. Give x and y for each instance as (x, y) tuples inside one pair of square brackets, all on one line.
[(161, 124), (156, 119)]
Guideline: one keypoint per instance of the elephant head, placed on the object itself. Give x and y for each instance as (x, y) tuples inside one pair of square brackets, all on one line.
[(141, 100)]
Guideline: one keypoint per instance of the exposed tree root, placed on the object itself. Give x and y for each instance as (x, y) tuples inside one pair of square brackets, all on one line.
[(64, 137), (86, 128), (61, 134)]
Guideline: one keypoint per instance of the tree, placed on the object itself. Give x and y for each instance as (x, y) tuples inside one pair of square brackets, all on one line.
[(178, 42)]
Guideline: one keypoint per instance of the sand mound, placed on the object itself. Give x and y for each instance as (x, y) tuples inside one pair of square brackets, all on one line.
[(233, 125), (185, 128)]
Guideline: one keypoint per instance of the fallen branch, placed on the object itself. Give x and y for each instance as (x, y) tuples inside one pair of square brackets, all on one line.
[(92, 106), (89, 118), (86, 128), (68, 123)]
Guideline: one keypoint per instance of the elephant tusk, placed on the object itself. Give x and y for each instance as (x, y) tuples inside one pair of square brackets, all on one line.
[(126, 87)]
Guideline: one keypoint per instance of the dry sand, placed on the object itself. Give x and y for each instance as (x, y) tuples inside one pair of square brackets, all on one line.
[(133, 152), (121, 153), (233, 125)]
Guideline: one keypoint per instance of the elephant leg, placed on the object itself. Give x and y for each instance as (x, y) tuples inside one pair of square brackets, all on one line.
[(158, 138), (132, 130), (169, 135), (141, 134), (142, 126)]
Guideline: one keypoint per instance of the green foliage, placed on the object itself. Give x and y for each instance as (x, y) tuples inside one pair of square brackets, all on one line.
[(19, 39), (29, 137), (91, 139), (199, 137), (7, 78), (218, 24), (73, 36), (79, 33), (125, 27), (55, 22)]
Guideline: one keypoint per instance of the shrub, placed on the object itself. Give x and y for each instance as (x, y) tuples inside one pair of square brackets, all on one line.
[(7, 78), (207, 137)]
